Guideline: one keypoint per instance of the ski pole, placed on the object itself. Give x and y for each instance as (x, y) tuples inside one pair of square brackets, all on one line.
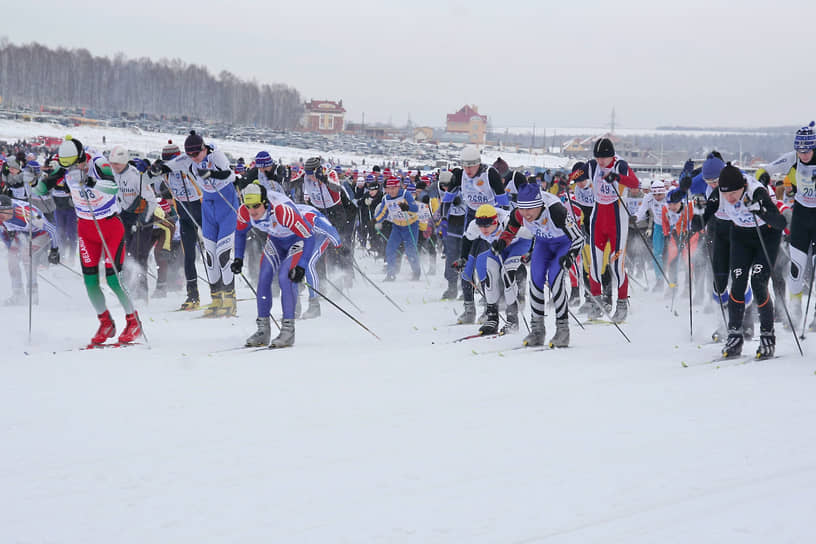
[(377, 287), (330, 301), (254, 292), (768, 260), (30, 261), (52, 284), (327, 280), (810, 293)]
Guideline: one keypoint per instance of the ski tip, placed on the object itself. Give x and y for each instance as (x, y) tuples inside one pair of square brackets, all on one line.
[(683, 363), (474, 352)]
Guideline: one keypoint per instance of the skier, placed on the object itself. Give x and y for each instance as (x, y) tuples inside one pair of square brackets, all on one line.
[(399, 209), (609, 222), (187, 195), (289, 246), (479, 184), (138, 204), (101, 234), (210, 169), (800, 167), (653, 204), (492, 264), (557, 241), (19, 220), (753, 215), (451, 228)]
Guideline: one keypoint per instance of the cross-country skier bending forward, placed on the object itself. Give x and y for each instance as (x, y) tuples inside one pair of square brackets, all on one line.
[(289, 246), (493, 267), (557, 241)]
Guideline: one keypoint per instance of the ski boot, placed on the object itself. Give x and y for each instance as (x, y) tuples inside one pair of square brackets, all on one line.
[(390, 277), (620, 311), (595, 311), (215, 305), (586, 307), (133, 329), (229, 306), (107, 328), (286, 337), (17, 298), (450, 292), (767, 345), (468, 317), (262, 335), (719, 334), (491, 324), (733, 346), (561, 337), (192, 301), (313, 310), (512, 324), (537, 332)]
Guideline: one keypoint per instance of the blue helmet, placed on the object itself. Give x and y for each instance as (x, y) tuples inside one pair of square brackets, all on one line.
[(805, 139)]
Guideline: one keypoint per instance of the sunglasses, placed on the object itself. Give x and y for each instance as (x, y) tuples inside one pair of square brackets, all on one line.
[(255, 206)]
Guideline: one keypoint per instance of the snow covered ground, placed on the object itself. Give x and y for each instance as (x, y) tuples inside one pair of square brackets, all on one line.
[(344, 438)]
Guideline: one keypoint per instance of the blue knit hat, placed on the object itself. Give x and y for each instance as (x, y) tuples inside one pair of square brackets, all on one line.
[(712, 167), (805, 139), (263, 159), (529, 196)]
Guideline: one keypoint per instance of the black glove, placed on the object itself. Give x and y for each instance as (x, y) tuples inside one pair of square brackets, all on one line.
[(344, 251), (764, 178), (237, 265), (296, 274), (459, 263), (567, 260), (612, 177), (498, 246), (457, 200), (426, 199), (53, 256), (525, 259), (203, 173), (404, 206)]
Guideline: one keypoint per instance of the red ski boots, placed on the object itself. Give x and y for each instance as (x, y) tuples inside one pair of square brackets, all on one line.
[(133, 329), (107, 328)]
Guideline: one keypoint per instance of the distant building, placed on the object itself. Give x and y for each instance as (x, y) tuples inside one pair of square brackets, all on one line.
[(468, 121), (324, 116), (423, 134)]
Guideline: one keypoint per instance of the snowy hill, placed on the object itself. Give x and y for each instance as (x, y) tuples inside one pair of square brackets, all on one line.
[(344, 438)]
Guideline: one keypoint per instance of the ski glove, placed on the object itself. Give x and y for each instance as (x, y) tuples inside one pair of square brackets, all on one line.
[(498, 246), (457, 200), (203, 173), (612, 177), (567, 260), (54, 256), (404, 206), (237, 265), (459, 263), (296, 274)]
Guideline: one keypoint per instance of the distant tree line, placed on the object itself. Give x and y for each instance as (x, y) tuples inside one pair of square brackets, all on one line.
[(37, 75)]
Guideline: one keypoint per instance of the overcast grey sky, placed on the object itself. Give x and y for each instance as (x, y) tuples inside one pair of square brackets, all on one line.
[(564, 64)]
